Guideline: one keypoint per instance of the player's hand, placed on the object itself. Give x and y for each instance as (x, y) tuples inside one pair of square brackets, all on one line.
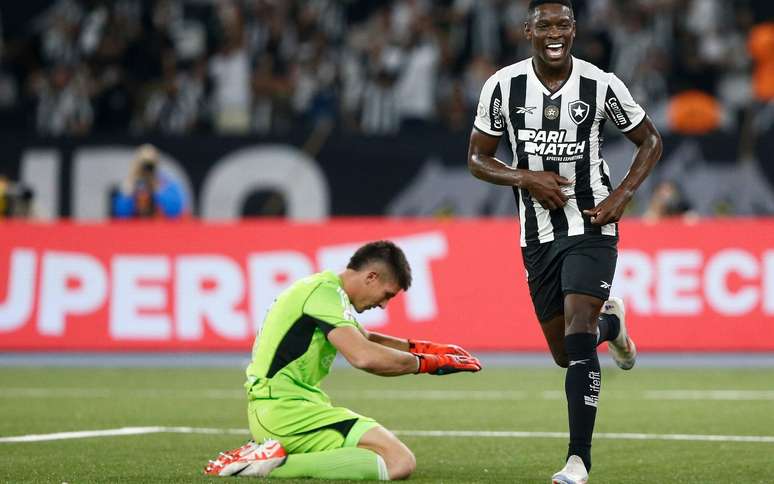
[(419, 346), (610, 209), (446, 364), (546, 188)]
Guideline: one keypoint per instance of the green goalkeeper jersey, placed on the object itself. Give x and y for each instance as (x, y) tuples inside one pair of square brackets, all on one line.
[(291, 354)]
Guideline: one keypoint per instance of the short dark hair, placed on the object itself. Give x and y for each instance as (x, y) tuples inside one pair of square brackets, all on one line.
[(388, 253), (536, 3)]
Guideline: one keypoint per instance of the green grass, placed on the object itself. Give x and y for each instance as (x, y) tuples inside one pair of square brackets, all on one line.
[(90, 399)]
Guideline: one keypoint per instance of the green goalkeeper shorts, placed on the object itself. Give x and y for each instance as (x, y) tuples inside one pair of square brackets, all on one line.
[(302, 426)]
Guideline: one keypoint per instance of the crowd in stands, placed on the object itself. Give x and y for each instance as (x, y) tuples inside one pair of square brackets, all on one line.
[(17, 200), (80, 67)]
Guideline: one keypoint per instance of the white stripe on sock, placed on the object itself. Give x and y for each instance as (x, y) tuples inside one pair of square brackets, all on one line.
[(383, 474)]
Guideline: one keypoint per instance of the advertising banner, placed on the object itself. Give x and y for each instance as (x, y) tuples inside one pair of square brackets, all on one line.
[(421, 173), (193, 286)]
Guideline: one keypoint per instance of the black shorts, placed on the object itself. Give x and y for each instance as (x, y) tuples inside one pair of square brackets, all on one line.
[(581, 264)]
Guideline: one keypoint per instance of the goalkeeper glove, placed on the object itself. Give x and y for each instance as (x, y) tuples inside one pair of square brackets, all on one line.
[(419, 346), (445, 364)]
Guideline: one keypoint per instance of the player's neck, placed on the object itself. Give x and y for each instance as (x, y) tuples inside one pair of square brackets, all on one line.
[(349, 284), (552, 77)]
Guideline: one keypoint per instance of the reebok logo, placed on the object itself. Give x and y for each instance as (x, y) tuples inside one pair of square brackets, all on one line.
[(578, 362), (525, 109), (604, 285)]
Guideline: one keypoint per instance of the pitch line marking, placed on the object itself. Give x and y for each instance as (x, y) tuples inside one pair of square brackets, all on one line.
[(409, 433), (82, 434), (485, 395), (598, 435), (709, 394)]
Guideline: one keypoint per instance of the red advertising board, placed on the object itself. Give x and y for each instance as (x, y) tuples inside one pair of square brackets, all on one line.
[(196, 286)]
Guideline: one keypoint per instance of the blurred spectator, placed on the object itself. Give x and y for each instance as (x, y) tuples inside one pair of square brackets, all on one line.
[(230, 72), (416, 86), (148, 192), (16, 200), (313, 79), (380, 111), (476, 74), (480, 26), (59, 31), (150, 43), (64, 105), (176, 107), (668, 201), (694, 113), (239, 66), (633, 40), (761, 45)]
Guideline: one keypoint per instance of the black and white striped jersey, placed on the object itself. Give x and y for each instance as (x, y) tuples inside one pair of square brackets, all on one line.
[(559, 132)]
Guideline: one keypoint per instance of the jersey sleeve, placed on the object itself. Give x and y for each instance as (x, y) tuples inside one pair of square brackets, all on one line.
[(620, 106), (489, 115), (330, 307)]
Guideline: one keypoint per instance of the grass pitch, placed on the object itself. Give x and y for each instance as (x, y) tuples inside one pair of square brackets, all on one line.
[(649, 406)]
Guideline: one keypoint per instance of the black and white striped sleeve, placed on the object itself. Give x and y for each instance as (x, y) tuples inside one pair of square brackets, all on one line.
[(620, 106), (489, 116)]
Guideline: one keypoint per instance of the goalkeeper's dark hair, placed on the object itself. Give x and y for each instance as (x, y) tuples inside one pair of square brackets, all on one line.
[(388, 253), (536, 3)]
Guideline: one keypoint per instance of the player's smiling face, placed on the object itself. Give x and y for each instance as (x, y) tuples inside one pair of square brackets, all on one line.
[(551, 29)]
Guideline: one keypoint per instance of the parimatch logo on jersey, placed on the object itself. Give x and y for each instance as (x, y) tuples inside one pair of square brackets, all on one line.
[(551, 144)]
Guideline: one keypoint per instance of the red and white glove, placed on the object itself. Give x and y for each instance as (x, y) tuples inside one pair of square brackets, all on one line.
[(428, 347), (446, 364)]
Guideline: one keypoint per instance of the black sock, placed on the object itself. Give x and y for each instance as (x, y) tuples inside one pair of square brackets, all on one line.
[(582, 385), (609, 325)]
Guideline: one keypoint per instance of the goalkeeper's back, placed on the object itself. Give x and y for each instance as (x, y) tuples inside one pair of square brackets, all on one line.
[(291, 353)]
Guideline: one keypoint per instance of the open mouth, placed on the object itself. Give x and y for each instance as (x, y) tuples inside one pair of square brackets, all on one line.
[(555, 50)]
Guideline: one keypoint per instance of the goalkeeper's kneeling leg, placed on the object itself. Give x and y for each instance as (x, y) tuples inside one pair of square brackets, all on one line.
[(398, 458)]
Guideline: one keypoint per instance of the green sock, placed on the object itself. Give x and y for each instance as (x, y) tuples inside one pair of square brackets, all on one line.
[(346, 463)]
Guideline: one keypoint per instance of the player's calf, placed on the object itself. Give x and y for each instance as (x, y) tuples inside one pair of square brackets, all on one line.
[(401, 466), (560, 359), (553, 330), (396, 456)]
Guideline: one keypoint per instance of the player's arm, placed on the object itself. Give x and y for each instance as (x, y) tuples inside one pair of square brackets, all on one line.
[(379, 359), (399, 344), (415, 345), (544, 186), (369, 356), (649, 147)]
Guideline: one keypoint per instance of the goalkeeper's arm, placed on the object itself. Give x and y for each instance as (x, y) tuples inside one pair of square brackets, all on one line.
[(416, 346), (380, 359)]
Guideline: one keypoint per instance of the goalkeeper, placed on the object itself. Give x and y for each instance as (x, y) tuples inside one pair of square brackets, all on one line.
[(302, 434)]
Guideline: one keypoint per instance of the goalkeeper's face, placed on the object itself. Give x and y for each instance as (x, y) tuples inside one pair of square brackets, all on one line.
[(378, 287)]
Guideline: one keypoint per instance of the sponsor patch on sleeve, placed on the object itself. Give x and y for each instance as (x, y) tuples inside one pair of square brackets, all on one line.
[(495, 110), (615, 111)]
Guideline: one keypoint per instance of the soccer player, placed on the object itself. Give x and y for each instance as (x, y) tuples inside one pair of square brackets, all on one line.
[(552, 107), (303, 434)]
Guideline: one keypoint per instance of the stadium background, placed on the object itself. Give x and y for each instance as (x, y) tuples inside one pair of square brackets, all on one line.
[(314, 126), (297, 130)]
